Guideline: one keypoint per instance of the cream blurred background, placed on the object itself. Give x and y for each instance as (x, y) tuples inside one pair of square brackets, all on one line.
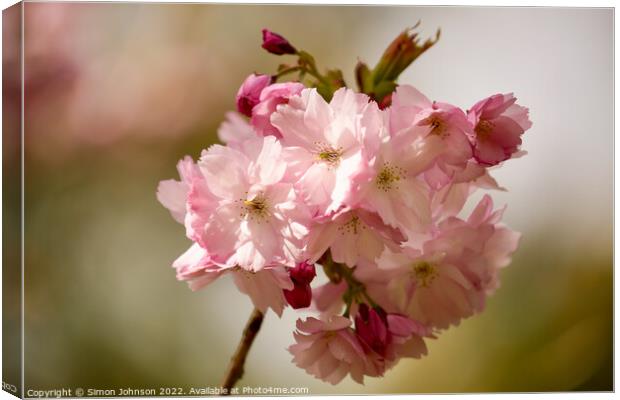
[(117, 93)]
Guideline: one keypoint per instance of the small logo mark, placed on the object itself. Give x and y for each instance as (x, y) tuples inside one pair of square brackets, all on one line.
[(9, 387)]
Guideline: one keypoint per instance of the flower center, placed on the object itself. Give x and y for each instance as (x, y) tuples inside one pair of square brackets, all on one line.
[(438, 126), (329, 335), (389, 176), (484, 128), (352, 226), (328, 154), (256, 208), (425, 273)]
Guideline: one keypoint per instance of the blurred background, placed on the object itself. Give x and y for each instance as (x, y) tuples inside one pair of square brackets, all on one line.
[(117, 93)]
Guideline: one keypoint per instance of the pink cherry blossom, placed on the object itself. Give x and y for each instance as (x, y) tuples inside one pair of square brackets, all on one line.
[(235, 130), (482, 269), (329, 350), (372, 193), (407, 339), (450, 278), (390, 183), (328, 140), (249, 93), (263, 287), (499, 123), (270, 98), (450, 199), (444, 128), (173, 194), (254, 218), (435, 293), (196, 267), (351, 235), (387, 338)]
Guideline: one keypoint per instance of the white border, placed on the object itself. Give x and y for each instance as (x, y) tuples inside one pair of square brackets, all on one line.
[(486, 3)]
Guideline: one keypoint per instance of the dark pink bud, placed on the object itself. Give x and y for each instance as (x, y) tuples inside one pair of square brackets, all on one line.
[(249, 93), (371, 328), (301, 294), (303, 272), (276, 44)]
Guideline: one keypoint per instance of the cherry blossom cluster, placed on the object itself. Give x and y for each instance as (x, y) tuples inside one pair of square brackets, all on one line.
[(368, 190)]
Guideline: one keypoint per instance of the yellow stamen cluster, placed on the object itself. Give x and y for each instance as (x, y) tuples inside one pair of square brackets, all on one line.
[(425, 273), (328, 154), (389, 176), (256, 208), (352, 226)]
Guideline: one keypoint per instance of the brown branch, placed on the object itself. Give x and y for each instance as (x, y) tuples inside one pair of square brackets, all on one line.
[(237, 361)]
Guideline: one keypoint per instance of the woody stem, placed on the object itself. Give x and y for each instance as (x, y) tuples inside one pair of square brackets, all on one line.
[(237, 361)]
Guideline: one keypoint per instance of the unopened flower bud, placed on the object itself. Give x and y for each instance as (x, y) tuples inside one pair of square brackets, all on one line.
[(301, 294), (400, 53), (249, 92), (276, 44), (371, 327), (303, 272)]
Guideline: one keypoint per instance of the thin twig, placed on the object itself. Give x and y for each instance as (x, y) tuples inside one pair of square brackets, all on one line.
[(235, 368)]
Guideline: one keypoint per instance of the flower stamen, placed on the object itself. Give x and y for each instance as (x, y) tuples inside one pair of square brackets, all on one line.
[(389, 176), (328, 154), (352, 226), (484, 128), (438, 126), (256, 208), (425, 273)]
